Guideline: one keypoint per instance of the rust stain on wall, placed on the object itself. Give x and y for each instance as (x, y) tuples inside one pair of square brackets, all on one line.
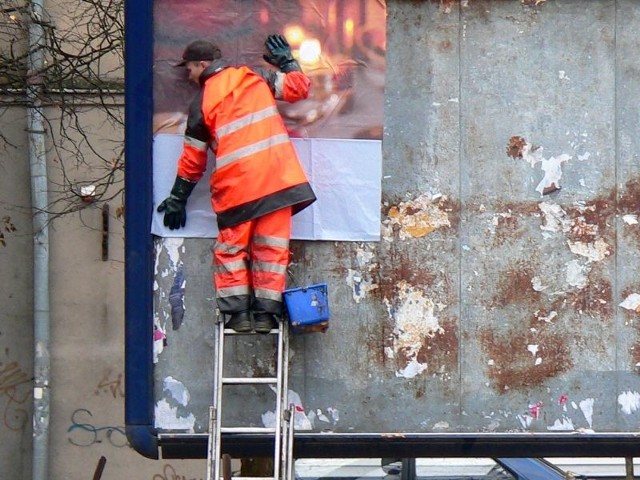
[(512, 364), (629, 203), (375, 342), (440, 352), (515, 146), (515, 286), (634, 352), (508, 228), (416, 218), (595, 299), (591, 220)]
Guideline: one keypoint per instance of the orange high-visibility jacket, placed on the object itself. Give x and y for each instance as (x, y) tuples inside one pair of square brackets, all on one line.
[(257, 170)]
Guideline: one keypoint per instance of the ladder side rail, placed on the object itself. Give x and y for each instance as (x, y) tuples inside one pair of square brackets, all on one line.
[(217, 400), (285, 412), (211, 443), (210, 447), (277, 441), (289, 453)]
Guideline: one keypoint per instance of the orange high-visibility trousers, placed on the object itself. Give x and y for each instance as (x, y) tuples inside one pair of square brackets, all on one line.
[(250, 264)]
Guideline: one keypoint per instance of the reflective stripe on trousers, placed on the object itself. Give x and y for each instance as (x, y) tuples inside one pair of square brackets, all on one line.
[(251, 262)]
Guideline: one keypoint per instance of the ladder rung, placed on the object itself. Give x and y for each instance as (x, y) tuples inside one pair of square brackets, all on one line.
[(249, 380), (248, 430), (230, 331)]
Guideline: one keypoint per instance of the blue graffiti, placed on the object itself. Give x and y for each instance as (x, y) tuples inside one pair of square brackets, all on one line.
[(90, 434)]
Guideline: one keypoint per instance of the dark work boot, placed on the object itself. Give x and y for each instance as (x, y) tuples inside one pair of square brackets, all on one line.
[(264, 322), (240, 322)]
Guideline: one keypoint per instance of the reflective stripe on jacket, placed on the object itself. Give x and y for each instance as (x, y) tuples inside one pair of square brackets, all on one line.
[(257, 170)]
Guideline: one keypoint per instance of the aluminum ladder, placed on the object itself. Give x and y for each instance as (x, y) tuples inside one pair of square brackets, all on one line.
[(218, 464)]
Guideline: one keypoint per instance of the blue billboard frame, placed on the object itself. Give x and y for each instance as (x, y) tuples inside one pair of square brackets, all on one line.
[(138, 241)]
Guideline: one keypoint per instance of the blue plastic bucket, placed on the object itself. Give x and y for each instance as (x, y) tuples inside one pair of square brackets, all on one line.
[(308, 308)]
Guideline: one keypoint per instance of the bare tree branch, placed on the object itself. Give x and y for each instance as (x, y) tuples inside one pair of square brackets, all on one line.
[(82, 80)]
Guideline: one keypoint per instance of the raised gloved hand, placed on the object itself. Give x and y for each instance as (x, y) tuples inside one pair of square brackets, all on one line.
[(175, 205), (279, 54)]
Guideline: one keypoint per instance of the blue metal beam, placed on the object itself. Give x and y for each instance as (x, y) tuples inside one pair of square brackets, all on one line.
[(138, 242)]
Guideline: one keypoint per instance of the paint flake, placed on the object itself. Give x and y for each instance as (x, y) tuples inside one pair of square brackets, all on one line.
[(178, 391), (441, 425), (552, 173), (359, 286), (416, 218), (414, 317), (576, 274), (548, 318), (536, 284), (525, 420), (629, 402), (159, 340), (555, 218), (586, 406), (594, 251), (413, 369), (563, 424), (301, 420), (518, 147), (632, 302), (167, 417)]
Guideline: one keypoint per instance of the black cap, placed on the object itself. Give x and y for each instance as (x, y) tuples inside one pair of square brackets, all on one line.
[(197, 51)]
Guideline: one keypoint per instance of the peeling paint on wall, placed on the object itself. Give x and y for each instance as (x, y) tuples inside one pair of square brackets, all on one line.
[(360, 279), (415, 322), (584, 239), (177, 390), (594, 252), (167, 414), (576, 274), (632, 302), (555, 219), (301, 420), (563, 424), (159, 340), (629, 402), (359, 286), (586, 406), (171, 248), (416, 218), (518, 147), (525, 420), (176, 297)]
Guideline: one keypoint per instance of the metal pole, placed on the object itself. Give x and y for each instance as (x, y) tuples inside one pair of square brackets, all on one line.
[(39, 203)]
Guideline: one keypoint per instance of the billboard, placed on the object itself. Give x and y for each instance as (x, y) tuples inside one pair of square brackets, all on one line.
[(495, 312)]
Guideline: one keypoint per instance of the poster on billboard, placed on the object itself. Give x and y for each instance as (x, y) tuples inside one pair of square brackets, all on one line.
[(336, 130)]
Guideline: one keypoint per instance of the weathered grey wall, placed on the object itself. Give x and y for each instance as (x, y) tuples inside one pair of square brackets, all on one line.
[(487, 306)]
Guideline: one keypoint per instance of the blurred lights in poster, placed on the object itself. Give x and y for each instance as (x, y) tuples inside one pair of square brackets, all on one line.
[(340, 44)]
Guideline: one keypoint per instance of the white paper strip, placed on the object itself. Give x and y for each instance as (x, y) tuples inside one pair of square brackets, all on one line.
[(345, 175)]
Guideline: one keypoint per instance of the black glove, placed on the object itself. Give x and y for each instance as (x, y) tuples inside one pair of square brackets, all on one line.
[(175, 205), (279, 54)]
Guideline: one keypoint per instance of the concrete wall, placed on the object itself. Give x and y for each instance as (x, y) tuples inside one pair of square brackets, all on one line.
[(87, 325)]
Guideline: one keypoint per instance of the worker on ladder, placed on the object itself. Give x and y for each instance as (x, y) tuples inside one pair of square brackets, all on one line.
[(258, 182)]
